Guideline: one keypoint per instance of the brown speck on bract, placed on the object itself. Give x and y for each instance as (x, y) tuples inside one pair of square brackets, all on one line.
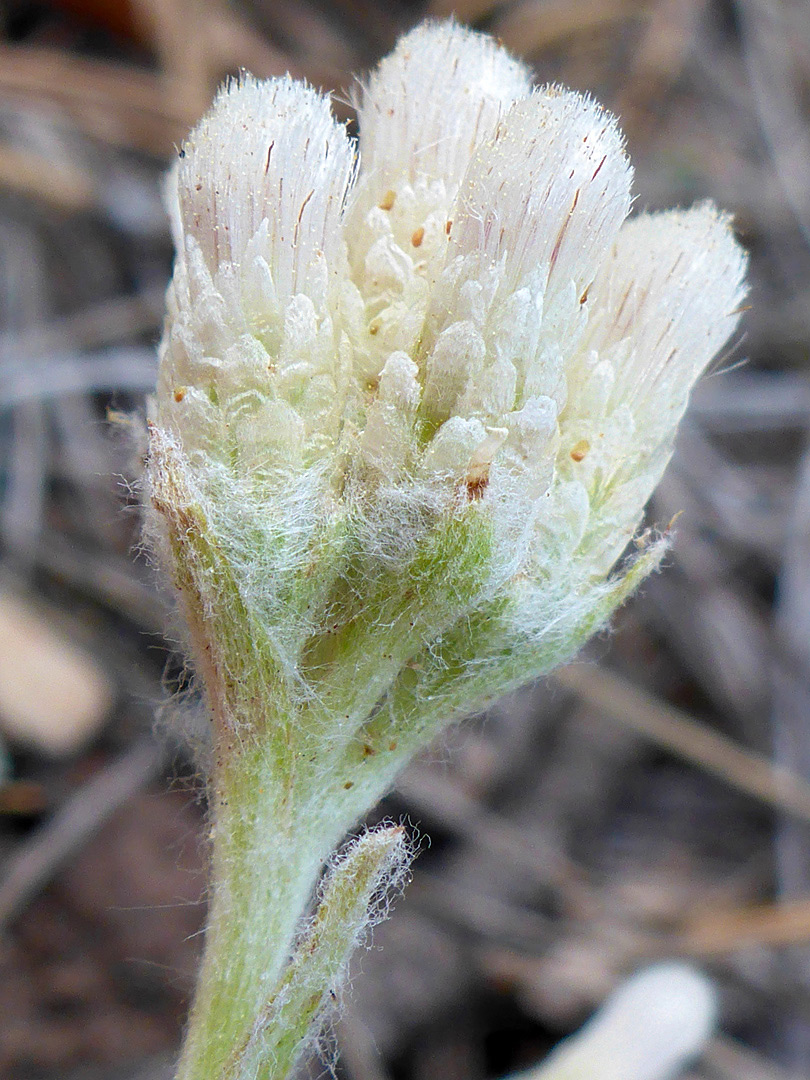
[(388, 200), (418, 236), (579, 451)]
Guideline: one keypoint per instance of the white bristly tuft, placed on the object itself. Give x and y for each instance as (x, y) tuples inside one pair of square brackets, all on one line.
[(268, 154), (541, 203), (432, 102), (546, 193), (422, 115), (664, 302), (251, 362)]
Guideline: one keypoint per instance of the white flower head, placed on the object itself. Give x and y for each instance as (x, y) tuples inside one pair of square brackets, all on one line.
[(414, 393), (440, 362)]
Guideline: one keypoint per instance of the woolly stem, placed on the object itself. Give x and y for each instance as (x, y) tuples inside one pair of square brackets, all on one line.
[(292, 1014), (265, 975), (265, 865)]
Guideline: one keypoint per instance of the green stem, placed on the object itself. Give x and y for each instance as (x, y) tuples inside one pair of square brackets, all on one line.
[(265, 866), (292, 1015), (266, 971)]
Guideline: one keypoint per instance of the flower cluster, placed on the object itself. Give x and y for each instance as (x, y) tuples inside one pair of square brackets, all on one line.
[(442, 359), (414, 393)]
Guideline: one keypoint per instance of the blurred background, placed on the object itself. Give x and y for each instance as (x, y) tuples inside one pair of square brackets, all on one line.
[(651, 802)]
